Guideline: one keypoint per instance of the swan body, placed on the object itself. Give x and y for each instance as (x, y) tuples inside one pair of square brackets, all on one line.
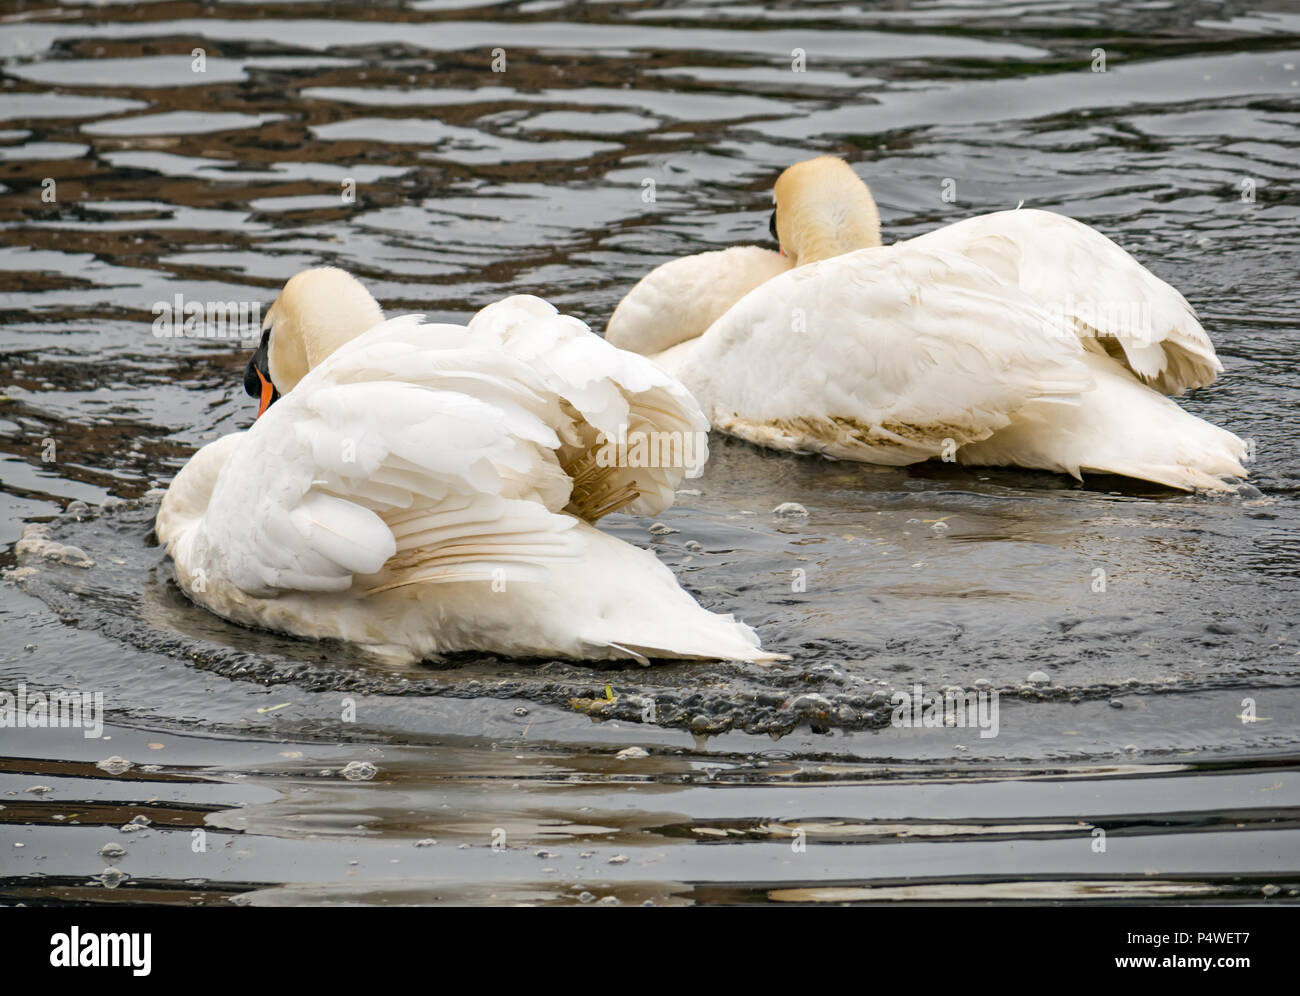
[(417, 489), (1021, 338)]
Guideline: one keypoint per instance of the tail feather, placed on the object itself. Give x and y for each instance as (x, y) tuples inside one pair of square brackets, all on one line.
[(625, 602), (1121, 427)]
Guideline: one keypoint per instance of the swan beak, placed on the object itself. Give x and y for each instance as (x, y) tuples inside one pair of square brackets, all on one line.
[(269, 394), (257, 376)]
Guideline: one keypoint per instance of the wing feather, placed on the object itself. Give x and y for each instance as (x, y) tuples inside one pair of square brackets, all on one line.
[(613, 395), (1093, 289), (888, 355), (382, 468)]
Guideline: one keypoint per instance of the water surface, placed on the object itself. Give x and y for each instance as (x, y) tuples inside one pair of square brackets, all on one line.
[(471, 184)]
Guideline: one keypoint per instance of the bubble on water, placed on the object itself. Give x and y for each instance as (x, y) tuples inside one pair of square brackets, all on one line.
[(628, 753), (811, 704), (1115, 704), (36, 542), (586, 897), (659, 529), (939, 527), (608, 901), (111, 878), (1038, 678), (618, 859), (114, 765), (790, 509), (39, 790), (359, 771), (693, 546), (426, 842), (520, 711), (1270, 890), (112, 852)]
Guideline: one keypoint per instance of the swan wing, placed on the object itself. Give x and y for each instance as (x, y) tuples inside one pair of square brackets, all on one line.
[(637, 432), (1092, 288), (410, 455), (889, 355)]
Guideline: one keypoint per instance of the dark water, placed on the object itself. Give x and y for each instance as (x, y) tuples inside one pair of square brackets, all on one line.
[(471, 184)]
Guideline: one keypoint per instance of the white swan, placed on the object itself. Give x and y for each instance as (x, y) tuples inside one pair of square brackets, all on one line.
[(421, 488), (1022, 338)]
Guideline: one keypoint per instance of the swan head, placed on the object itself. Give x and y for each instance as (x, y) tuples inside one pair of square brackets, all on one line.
[(317, 312), (822, 210)]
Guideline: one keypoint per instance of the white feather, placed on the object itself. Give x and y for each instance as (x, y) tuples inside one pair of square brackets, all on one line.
[(409, 495), (995, 340), (1107, 296)]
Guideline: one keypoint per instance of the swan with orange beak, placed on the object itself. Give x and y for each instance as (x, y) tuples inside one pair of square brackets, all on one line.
[(985, 342), (417, 489), (257, 376)]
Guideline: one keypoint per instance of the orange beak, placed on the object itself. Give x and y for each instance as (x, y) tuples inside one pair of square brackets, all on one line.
[(268, 395)]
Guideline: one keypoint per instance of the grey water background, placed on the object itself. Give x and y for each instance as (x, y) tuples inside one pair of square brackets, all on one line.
[(472, 184)]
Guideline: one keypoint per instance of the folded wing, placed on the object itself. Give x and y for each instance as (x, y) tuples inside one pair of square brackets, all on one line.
[(636, 432), (411, 455), (889, 355), (1093, 289)]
